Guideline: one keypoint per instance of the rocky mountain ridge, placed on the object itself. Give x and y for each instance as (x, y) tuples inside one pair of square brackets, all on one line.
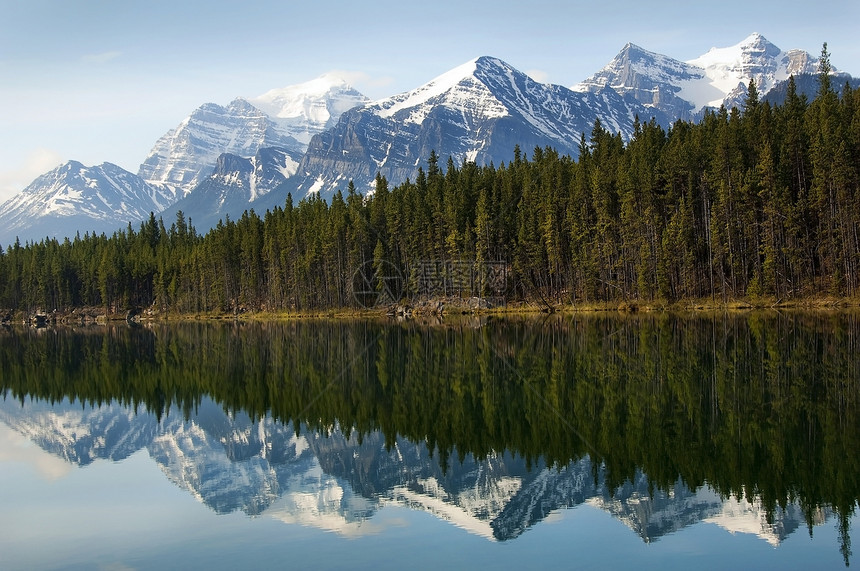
[(478, 112), (74, 198), (315, 137), (719, 77)]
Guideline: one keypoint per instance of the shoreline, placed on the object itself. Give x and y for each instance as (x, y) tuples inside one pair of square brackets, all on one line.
[(439, 308)]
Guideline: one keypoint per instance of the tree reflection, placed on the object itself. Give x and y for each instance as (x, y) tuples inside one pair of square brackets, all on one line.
[(761, 406)]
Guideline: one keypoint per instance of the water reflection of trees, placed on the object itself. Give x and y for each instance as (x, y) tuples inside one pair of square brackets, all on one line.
[(762, 406)]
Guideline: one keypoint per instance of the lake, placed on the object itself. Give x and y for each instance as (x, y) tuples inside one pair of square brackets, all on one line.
[(597, 441)]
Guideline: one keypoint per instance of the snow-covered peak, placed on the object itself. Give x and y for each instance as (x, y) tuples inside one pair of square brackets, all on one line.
[(482, 88), (718, 77), (73, 188), (76, 197), (729, 70), (633, 63), (434, 88), (301, 100), (754, 44), (736, 65), (749, 516), (184, 156), (305, 109)]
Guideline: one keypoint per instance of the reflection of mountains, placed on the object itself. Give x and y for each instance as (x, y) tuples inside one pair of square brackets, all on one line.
[(337, 481)]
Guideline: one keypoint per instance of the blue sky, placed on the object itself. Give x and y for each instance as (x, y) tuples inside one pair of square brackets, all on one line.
[(101, 80)]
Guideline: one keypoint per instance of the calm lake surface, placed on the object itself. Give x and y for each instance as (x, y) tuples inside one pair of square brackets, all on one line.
[(599, 441)]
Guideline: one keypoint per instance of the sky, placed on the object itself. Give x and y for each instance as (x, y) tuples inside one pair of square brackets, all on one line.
[(101, 80)]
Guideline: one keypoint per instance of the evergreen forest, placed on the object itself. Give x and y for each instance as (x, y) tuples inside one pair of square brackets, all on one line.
[(758, 202)]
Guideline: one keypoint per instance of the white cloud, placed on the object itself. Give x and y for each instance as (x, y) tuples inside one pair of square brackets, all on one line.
[(101, 58), (538, 75), (364, 82), (17, 448), (37, 162), (352, 77)]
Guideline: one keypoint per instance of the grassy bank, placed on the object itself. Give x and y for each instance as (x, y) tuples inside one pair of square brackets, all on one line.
[(439, 307)]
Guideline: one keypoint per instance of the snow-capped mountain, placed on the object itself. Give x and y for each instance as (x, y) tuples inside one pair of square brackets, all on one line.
[(652, 79), (743, 515), (654, 513), (186, 155), (478, 111), (303, 110), (729, 70), (228, 463), (719, 77), (262, 149), (237, 184), (284, 118), (74, 197)]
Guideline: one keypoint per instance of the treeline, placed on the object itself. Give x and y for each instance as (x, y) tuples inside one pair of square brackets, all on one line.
[(754, 202)]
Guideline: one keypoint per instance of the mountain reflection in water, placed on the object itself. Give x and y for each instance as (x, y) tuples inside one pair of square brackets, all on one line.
[(748, 422)]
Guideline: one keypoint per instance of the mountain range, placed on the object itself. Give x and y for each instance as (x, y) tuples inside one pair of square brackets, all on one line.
[(316, 137), (334, 480)]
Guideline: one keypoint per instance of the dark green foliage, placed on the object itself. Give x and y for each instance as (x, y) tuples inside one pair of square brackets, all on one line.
[(763, 405), (764, 202)]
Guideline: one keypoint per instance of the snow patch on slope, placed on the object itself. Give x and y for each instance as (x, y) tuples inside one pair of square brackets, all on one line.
[(458, 89)]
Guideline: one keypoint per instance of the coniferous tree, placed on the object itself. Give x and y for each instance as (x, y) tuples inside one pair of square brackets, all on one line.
[(758, 201)]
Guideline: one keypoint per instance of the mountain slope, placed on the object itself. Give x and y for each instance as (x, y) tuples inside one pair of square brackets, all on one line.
[(719, 77), (806, 85), (285, 118), (652, 79), (74, 197), (237, 184), (186, 155), (478, 112)]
